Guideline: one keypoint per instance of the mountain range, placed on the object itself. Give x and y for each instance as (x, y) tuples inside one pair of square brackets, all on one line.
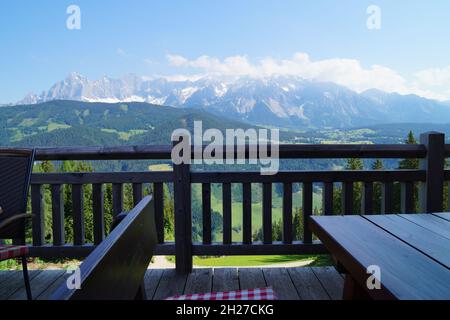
[(76, 123), (289, 102)]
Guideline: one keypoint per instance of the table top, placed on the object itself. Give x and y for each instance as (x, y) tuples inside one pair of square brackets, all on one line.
[(412, 251)]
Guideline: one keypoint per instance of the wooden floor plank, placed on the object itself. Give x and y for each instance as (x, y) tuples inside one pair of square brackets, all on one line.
[(15, 283), (199, 281), (151, 281), (47, 293), (38, 284), (251, 278), (159, 283), (331, 280), (225, 279), (280, 281), (307, 284), (171, 284), (8, 274)]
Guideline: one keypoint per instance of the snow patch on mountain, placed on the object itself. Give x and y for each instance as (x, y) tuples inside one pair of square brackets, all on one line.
[(186, 93)]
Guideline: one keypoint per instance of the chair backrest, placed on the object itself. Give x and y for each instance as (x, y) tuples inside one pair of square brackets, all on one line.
[(16, 166), (116, 268)]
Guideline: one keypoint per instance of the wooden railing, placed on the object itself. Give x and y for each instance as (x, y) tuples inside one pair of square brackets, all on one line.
[(432, 151)]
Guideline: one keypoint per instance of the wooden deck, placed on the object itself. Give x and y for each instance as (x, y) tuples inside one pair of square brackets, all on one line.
[(316, 283)]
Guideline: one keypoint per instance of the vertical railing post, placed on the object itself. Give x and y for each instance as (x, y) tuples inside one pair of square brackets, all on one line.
[(367, 198), (98, 200), (287, 213), (327, 198), (386, 198), (37, 207), (267, 213), (226, 213), (347, 198), (78, 214), (117, 198), (307, 211), (206, 213), (407, 197), (183, 219), (58, 214), (448, 196), (431, 192), (158, 193)]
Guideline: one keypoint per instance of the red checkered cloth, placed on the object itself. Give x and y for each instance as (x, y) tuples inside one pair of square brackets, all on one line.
[(11, 251), (251, 294)]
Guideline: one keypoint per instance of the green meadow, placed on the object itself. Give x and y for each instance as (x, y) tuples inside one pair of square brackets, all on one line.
[(261, 261), (236, 219), (248, 261)]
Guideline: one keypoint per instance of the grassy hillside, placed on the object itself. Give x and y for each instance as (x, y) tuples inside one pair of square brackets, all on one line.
[(60, 123)]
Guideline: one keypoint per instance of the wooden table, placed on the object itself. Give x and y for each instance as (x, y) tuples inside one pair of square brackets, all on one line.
[(412, 252)]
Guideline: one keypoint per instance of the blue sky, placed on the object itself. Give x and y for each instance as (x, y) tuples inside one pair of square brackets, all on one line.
[(411, 51)]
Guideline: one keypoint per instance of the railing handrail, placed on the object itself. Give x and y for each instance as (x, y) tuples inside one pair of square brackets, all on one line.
[(104, 153), (286, 151), (101, 177), (231, 176)]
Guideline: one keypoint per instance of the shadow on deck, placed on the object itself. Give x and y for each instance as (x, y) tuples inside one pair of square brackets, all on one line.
[(306, 283)]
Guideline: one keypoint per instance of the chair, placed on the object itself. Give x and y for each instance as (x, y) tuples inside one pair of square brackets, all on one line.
[(116, 268), (15, 172)]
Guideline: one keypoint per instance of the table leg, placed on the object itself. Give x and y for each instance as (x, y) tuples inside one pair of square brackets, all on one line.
[(339, 267), (353, 290)]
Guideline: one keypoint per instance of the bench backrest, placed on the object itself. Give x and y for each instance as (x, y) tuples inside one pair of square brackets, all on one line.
[(15, 172), (116, 268)]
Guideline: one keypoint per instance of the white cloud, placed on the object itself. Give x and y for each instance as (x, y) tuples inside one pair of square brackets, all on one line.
[(182, 78), (176, 60), (432, 83)]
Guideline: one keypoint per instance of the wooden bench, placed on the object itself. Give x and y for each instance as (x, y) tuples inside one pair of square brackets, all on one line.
[(116, 268), (411, 252)]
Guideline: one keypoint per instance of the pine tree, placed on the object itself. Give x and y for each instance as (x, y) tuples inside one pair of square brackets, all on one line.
[(446, 205), (44, 167), (407, 164), (277, 232), (169, 214), (378, 165), (47, 167), (356, 164), (298, 224), (128, 201), (377, 191), (337, 200), (108, 206), (77, 166)]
